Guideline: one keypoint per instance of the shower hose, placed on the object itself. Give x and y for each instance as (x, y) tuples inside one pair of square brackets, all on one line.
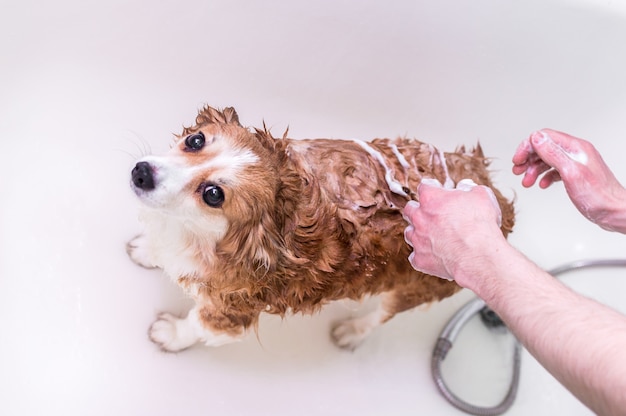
[(475, 306)]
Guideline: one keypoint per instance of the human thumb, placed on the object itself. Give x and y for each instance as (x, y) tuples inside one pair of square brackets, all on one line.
[(548, 144)]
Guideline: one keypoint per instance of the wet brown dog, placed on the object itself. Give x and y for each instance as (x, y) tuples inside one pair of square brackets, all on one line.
[(248, 223)]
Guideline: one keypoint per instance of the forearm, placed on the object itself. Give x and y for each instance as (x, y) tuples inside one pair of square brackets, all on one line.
[(613, 216), (581, 342)]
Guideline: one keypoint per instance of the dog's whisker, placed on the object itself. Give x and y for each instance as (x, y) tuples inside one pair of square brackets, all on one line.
[(126, 152), (145, 148), (141, 145)]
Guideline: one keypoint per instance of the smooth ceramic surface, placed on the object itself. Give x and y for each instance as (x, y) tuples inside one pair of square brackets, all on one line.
[(87, 87)]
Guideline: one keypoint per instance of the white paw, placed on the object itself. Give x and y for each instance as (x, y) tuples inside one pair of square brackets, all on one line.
[(137, 250), (171, 334), (349, 334)]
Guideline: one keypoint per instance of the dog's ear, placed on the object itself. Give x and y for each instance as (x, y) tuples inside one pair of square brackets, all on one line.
[(256, 238), (253, 245), (264, 136), (210, 115)]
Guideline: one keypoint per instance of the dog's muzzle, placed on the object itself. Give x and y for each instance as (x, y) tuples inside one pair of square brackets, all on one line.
[(142, 176)]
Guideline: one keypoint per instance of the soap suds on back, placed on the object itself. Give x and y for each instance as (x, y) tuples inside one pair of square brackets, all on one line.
[(400, 156), (448, 183), (394, 185)]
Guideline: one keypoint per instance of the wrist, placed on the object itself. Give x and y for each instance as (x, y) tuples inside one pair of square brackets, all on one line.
[(480, 271), (613, 216)]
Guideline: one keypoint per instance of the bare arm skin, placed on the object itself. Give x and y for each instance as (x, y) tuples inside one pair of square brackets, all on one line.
[(454, 234)]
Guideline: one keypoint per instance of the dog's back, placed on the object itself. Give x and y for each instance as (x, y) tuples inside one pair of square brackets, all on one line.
[(366, 185)]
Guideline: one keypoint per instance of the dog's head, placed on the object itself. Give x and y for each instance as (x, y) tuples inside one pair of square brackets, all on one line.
[(219, 181)]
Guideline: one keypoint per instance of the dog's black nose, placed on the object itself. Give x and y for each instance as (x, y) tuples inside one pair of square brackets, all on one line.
[(142, 176)]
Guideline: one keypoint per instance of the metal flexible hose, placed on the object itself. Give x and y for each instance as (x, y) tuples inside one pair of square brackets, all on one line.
[(449, 333)]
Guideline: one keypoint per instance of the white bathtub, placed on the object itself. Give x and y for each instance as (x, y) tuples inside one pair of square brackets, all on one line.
[(85, 87)]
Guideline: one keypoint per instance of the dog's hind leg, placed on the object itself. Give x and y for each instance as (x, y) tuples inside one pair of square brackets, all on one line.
[(173, 334), (350, 333)]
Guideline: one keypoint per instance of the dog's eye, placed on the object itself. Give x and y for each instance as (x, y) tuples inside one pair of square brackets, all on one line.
[(195, 142), (213, 195)]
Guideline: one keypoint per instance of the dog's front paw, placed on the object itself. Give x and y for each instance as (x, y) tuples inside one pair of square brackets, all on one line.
[(349, 334), (137, 250), (171, 334)]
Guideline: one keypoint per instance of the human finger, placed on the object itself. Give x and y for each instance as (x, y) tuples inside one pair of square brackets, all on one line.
[(533, 172), (572, 147), (409, 209), (427, 186), (468, 185), (408, 234), (519, 169), (413, 262), (432, 182), (426, 267), (545, 150), (558, 150), (526, 161), (549, 178), (465, 185), (523, 153)]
